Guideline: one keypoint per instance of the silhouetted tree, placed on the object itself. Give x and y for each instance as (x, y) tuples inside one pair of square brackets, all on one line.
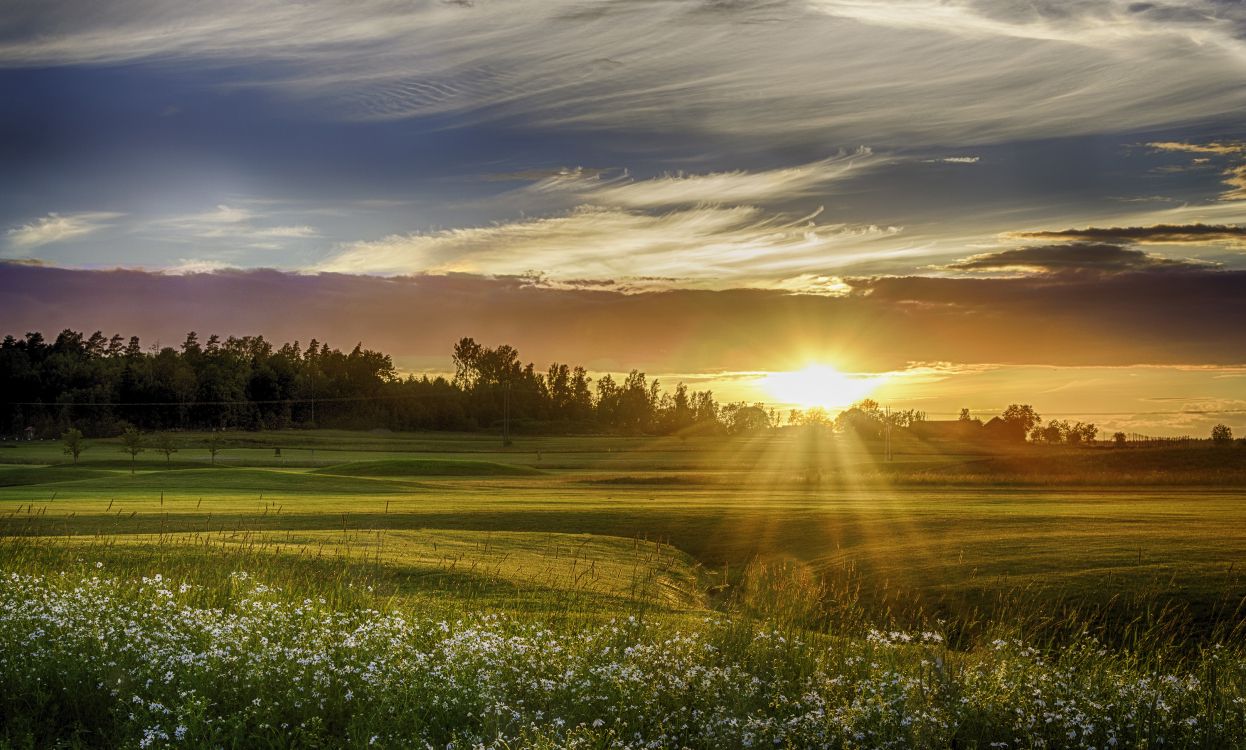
[(101, 385), (865, 418), (814, 416), (1055, 431), (1221, 434), (1080, 432), (744, 418), (1022, 417)]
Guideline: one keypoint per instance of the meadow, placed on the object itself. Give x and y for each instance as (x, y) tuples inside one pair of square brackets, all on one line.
[(796, 590)]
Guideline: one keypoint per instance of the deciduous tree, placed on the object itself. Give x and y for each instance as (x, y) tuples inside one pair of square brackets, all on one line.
[(72, 438), (166, 445), (132, 443)]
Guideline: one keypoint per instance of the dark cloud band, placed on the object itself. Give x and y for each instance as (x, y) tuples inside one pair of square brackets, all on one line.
[(1183, 316), (1074, 257), (1155, 234)]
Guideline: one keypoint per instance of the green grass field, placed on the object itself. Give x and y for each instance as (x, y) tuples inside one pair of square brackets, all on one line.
[(812, 534), (994, 527)]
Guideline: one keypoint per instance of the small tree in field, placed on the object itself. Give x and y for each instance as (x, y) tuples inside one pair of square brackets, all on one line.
[(1221, 434), (132, 443), (1022, 416), (1081, 432), (72, 438), (1055, 431), (166, 445), (214, 446), (1119, 438)]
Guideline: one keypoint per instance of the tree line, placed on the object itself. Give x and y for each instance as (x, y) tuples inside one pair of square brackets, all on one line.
[(102, 385)]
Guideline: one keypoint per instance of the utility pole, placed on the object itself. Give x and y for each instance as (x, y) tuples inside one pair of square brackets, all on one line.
[(887, 422)]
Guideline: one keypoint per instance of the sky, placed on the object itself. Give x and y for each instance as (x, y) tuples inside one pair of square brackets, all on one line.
[(962, 203)]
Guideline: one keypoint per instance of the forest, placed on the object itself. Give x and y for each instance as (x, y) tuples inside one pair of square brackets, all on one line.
[(102, 385)]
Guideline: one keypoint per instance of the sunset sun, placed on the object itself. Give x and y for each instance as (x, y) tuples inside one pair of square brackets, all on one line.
[(818, 385)]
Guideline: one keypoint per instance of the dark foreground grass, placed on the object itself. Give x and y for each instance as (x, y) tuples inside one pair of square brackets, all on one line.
[(103, 658)]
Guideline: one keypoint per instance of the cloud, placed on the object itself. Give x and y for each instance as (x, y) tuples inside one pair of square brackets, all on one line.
[(1192, 316), (196, 265), (1216, 147), (1158, 234), (698, 228), (737, 187), (233, 225), (537, 175), (1073, 257), (709, 245), (287, 232), (1233, 177), (58, 228), (848, 71)]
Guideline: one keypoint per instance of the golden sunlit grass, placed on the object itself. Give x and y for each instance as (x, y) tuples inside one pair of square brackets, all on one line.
[(930, 525), (819, 385), (555, 582)]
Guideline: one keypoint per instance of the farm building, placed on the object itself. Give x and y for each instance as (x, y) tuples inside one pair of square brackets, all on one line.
[(996, 429)]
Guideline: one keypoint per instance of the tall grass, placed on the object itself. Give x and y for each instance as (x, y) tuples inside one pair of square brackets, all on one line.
[(236, 646)]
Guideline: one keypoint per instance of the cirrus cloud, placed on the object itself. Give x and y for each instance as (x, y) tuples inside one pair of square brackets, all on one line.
[(58, 227), (697, 228), (851, 70), (734, 187), (703, 245)]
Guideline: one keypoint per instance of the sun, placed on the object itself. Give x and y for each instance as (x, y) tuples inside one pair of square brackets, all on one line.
[(818, 385)]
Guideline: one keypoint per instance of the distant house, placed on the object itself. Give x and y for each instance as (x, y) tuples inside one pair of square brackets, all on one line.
[(968, 429), (1008, 432), (946, 429)]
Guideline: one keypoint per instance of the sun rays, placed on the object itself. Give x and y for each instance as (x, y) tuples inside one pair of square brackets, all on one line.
[(819, 385)]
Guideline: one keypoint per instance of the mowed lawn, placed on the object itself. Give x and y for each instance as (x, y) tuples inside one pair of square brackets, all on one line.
[(676, 522)]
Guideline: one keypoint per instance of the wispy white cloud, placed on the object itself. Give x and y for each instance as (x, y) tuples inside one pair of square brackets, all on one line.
[(697, 229), (877, 71), (195, 265), (58, 227), (702, 245), (234, 225), (736, 187)]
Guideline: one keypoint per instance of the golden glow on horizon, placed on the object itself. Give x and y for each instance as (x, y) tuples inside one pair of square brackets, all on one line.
[(818, 385)]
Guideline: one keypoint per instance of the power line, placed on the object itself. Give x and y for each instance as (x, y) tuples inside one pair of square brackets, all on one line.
[(1119, 413), (503, 390), (246, 402)]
